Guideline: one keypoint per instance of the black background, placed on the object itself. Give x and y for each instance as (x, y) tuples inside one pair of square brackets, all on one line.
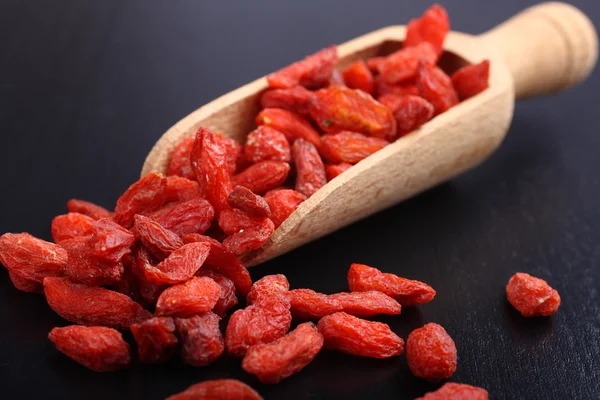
[(87, 87)]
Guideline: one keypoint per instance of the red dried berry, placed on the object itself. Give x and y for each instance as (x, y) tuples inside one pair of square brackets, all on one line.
[(282, 203), (201, 340), (383, 88), (290, 124), (84, 268), (196, 296), (336, 79), (410, 111), (218, 389), (471, 80), (358, 76), (192, 216), (249, 239), (180, 164), (275, 361), (346, 333), (436, 87), (233, 150), (295, 99), (532, 296), (90, 209), (262, 176), (308, 304), (313, 71), (180, 189), (95, 347), (234, 221), (31, 258), (350, 147), (156, 340), (403, 64), (374, 63), (71, 225), (456, 391), (180, 266), (333, 170), (431, 353), (310, 170), (87, 305), (269, 286), (159, 241), (25, 285), (109, 241), (143, 197), (266, 144), (245, 200), (227, 300), (432, 27)]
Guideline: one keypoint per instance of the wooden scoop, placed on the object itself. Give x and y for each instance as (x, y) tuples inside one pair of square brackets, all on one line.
[(545, 49)]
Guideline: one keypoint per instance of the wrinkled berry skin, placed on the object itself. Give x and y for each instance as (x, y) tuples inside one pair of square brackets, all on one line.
[(180, 266), (200, 337), (349, 147), (333, 170), (180, 164), (25, 285), (191, 216), (310, 170), (228, 298), (436, 87), (71, 225), (159, 241), (431, 353), (456, 391), (218, 389), (268, 287), (295, 99), (245, 200), (266, 144), (196, 296), (90, 209), (358, 76), (531, 296), (292, 125), (283, 202), (432, 27), (403, 64), (143, 197), (155, 338), (262, 176), (311, 72), (471, 80)]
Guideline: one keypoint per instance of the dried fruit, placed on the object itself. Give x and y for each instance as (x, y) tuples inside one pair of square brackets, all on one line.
[(350, 147), (201, 340), (227, 300), (249, 239), (310, 171), (275, 361), (374, 63), (362, 278), (403, 64), (84, 268), (266, 144), (262, 176), (143, 197), (180, 164), (436, 87), (308, 304), (218, 389), (269, 286), (338, 108), (282, 203), (358, 76), (95, 347), (352, 335), (245, 200), (333, 170), (336, 79), (471, 80), (180, 189), (71, 225), (155, 338), (159, 241), (109, 241), (88, 305), (313, 71), (432, 27), (399, 89), (196, 296), (90, 209), (431, 353), (232, 151), (25, 285), (410, 111), (234, 221), (295, 99), (31, 258), (290, 124), (532, 296), (180, 266), (192, 216), (456, 391)]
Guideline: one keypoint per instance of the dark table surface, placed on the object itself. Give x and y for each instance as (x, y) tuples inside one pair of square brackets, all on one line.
[(88, 86)]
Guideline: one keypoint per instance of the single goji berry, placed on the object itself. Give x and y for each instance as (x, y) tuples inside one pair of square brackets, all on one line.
[(180, 164), (159, 241), (350, 147), (90, 209), (410, 111), (109, 241), (275, 361), (333, 170), (403, 64), (95, 347), (383, 88), (228, 299), (290, 124), (431, 353), (374, 63), (192, 216), (31, 258), (532, 296), (338, 108), (84, 268), (218, 389), (155, 338), (87, 305), (352, 335), (295, 99), (245, 200), (362, 278), (196, 296), (456, 391), (310, 170), (180, 266), (266, 144), (249, 239), (358, 76), (201, 340), (262, 176), (71, 225), (234, 220), (436, 87), (308, 304), (313, 71), (282, 203), (267, 286), (471, 80), (25, 285), (432, 27), (144, 196), (233, 150), (180, 189)]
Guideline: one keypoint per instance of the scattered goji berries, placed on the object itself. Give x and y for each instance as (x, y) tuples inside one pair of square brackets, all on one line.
[(532, 296), (155, 338), (196, 296), (200, 337), (471, 79), (431, 353), (218, 389), (456, 391)]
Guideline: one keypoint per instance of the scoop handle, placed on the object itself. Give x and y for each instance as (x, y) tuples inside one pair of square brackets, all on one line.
[(548, 48)]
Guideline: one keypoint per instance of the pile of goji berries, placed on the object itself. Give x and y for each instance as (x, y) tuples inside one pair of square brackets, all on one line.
[(166, 264)]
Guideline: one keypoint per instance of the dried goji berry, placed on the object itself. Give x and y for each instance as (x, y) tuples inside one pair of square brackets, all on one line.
[(336, 79), (84, 268), (268, 286), (282, 203), (374, 63), (87, 305), (382, 88), (95, 347), (403, 64), (313, 71), (262, 176), (143, 197), (245, 200), (180, 163), (71, 225), (431, 353), (196, 296), (294, 99), (290, 124), (456, 391), (109, 241), (338, 108), (218, 389), (410, 111), (471, 80), (180, 266), (227, 299), (333, 170), (308, 304), (358, 76), (436, 87), (532, 296), (310, 170), (192, 216), (352, 335), (275, 361), (432, 27), (350, 147), (234, 221), (25, 285), (155, 338), (181, 189), (261, 322), (201, 340), (159, 241), (90, 209), (266, 144), (233, 150), (249, 239), (362, 278), (31, 258)]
